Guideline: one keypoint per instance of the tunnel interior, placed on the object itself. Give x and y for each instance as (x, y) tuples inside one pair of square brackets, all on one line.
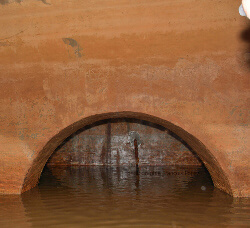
[(124, 141), (113, 150), (125, 168)]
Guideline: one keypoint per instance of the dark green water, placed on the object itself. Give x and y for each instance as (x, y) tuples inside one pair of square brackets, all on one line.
[(122, 197)]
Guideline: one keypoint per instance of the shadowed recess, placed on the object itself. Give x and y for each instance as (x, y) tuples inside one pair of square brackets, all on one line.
[(102, 143), (218, 176)]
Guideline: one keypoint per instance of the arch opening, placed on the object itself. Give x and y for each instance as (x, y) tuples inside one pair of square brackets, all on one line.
[(202, 154)]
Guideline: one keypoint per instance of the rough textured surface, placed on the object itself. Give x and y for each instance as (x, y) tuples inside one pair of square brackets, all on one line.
[(111, 143), (185, 62)]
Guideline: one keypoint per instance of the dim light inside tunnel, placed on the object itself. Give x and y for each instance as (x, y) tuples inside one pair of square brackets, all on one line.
[(217, 174)]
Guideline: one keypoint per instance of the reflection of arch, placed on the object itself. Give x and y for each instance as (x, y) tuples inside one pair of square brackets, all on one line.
[(218, 176)]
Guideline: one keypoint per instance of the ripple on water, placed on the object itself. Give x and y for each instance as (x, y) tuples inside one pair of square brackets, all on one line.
[(121, 197)]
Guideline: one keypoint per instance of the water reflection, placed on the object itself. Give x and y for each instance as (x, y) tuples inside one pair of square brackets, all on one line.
[(12, 212), (127, 179), (122, 197)]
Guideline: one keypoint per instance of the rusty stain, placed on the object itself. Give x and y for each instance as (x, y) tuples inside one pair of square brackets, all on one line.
[(136, 153), (118, 157), (108, 134), (103, 154)]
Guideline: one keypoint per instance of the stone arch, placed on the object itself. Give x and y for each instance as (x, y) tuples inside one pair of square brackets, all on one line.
[(217, 174)]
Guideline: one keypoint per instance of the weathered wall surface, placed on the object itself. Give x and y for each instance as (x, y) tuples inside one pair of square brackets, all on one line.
[(184, 61), (112, 143)]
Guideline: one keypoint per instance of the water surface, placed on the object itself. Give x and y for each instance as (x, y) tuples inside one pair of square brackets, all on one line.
[(102, 196)]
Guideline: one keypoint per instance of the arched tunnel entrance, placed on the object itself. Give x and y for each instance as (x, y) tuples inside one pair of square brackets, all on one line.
[(126, 153), (127, 169), (138, 132)]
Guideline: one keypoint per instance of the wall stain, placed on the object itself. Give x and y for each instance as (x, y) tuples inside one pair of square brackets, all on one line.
[(118, 158), (4, 44), (103, 154), (73, 43), (4, 2), (108, 134), (136, 153), (12, 35), (44, 1)]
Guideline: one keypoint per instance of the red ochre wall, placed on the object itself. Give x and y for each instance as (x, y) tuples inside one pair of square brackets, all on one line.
[(112, 143), (183, 64)]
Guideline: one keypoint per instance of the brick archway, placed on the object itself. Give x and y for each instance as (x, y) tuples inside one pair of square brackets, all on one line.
[(219, 177)]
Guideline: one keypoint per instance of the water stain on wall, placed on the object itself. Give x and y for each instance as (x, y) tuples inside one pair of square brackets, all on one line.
[(73, 43), (4, 2), (45, 2)]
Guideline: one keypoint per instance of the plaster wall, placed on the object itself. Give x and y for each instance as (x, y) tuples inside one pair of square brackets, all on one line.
[(186, 62)]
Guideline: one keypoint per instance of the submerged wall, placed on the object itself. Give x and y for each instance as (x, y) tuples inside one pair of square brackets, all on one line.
[(185, 62), (111, 142)]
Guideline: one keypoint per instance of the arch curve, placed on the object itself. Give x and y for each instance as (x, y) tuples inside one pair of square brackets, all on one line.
[(218, 176)]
